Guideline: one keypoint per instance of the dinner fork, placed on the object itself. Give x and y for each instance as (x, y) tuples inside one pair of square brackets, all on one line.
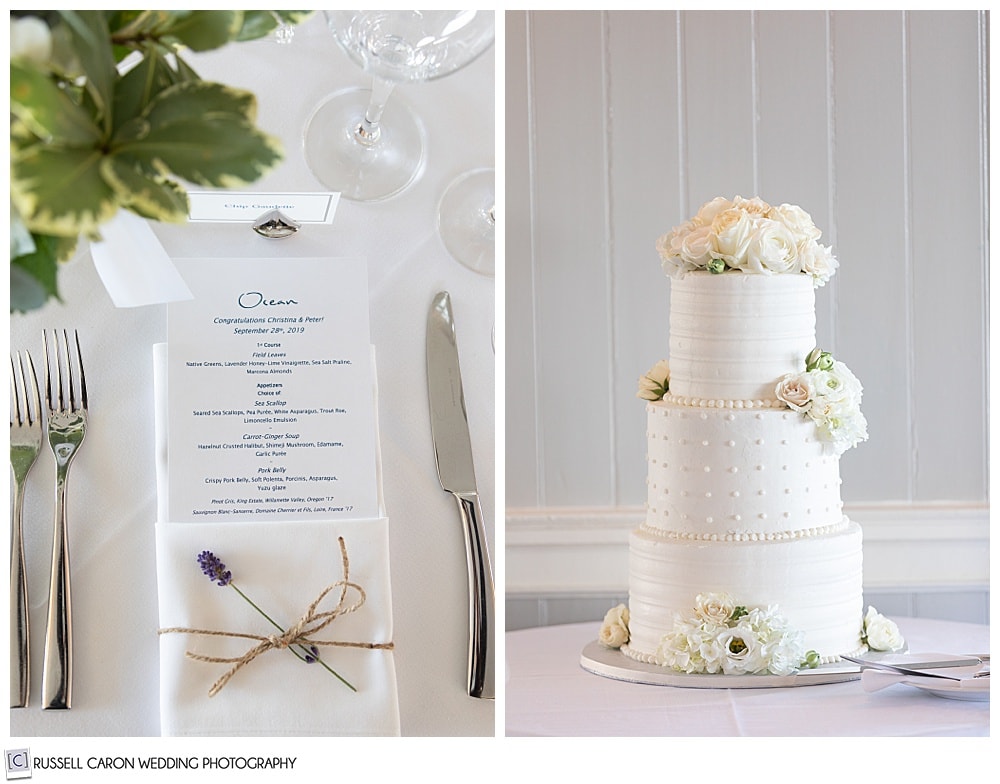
[(66, 399), (25, 443)]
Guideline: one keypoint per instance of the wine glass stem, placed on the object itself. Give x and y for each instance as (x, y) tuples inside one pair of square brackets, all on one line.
[(369, 130)]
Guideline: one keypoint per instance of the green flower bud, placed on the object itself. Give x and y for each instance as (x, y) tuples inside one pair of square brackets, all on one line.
[(812, 660), (825, 361), (717, 266)]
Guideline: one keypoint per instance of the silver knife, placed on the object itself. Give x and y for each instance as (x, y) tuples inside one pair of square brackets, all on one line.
[(919, 668), (453, 458)]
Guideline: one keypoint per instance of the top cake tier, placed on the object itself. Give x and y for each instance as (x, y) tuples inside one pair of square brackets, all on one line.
[(734, 335)]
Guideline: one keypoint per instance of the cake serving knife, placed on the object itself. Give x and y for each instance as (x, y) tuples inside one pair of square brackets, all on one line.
[(456, 473)]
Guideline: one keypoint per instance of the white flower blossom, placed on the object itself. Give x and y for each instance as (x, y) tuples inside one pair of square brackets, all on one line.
[(614, 631), (880, 633)]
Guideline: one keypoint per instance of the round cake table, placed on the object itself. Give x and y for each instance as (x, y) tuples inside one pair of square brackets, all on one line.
[(548, 693)]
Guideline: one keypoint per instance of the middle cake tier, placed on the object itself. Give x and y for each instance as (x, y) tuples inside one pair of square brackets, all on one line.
[(739, 474)]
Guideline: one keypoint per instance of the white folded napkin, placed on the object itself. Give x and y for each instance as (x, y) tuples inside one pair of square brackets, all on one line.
[(282, 567)]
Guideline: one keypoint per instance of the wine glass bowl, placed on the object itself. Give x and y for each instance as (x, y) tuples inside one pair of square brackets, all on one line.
[(467, 220), (358, 143)]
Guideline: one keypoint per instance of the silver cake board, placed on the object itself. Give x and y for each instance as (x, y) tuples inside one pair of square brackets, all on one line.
[(611, 663)]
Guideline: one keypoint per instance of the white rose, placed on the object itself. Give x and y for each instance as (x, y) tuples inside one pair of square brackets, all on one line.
[(796, 391), (797, 221), (772, 249), (714, 607), (614, 630), (731, 234), (654, 385), (30, 39), (882, 634)]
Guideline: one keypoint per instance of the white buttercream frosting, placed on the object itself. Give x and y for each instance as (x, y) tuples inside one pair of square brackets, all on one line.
[(733, 335)]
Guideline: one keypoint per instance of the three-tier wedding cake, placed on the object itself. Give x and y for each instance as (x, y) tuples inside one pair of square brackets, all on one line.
[(746, 562)]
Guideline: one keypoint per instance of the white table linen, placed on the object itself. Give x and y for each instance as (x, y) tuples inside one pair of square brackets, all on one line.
[(112, 491), (547, 693)]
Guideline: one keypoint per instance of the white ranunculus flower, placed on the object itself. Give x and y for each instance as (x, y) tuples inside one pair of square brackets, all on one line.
[(772, 249), (818, 262), (798, 222), (881, 633), (732, 231), (30, 39), (796, 391), (614, 630), (714, 607)]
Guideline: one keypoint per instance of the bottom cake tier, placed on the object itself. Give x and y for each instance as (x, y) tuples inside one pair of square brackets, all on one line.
[(813, 581)]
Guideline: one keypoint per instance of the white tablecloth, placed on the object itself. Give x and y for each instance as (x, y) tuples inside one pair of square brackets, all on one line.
[(548, 693), (112, 487)]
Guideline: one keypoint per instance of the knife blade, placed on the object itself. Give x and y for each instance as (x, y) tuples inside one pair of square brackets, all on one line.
[(456, 473), (924, 669)]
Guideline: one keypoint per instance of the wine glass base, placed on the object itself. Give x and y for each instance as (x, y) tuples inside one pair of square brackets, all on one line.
[(359, 171), (465, 220)]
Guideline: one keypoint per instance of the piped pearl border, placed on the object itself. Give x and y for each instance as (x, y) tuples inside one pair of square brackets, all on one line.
[(700, 402), (776, 536)]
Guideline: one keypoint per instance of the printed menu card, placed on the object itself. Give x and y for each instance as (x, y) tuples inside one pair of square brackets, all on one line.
[(270, 406)]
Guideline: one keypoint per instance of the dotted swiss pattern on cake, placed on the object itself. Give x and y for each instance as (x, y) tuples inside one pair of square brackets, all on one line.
[(727, 471), (775, 536)]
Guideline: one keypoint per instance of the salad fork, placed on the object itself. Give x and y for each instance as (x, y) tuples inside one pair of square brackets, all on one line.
[(66, 399), (25, 443)]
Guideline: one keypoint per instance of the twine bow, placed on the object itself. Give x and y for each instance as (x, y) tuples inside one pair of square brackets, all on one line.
[(299, 634)]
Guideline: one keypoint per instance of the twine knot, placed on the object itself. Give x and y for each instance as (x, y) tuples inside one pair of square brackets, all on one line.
[(298, 634)]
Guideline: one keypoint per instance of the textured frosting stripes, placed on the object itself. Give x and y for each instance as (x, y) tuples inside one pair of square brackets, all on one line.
[(733, 336)]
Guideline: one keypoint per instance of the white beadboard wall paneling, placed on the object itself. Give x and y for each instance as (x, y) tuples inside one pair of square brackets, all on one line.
[(874, 281), (522, 468), (569, 256), (947, 246), (644, 148)]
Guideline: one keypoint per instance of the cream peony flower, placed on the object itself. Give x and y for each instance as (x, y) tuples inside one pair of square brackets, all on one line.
[(755, 207), (880, 633), (696, 246), (798, 222), (706, 215), (614, 630), (818, 262)]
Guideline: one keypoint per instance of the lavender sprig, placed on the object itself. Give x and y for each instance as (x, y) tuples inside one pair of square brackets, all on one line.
[(216, 571)]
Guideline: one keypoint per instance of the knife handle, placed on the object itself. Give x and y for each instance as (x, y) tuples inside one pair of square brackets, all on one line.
[(481, 615)]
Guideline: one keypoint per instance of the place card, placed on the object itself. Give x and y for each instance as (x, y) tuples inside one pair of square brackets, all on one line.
[(236, 207), (270, 404)]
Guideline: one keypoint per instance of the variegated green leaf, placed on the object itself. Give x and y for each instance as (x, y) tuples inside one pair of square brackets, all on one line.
[(155, 198), (190, 100), (92, 43), (59, 190), (136, 89), (204, 30), (47, 111), (221, 151)]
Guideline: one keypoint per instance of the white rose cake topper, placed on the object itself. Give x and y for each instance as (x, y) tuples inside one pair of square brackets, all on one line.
[(748, 235)]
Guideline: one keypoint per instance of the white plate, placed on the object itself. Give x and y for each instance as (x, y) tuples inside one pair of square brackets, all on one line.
[(614, 664)]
